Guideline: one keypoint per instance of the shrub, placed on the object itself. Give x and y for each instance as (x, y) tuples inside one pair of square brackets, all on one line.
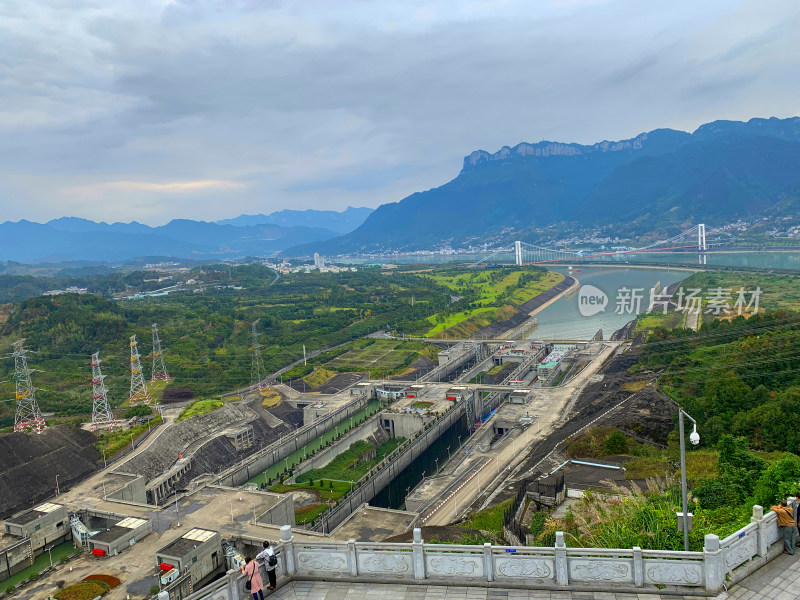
[(138, 411), (616, 443), (10, 590), (778, 481), (154, 590), (85, 590)]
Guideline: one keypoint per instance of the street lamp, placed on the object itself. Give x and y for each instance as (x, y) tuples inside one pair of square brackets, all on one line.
[(49, 548), (694, 438), (58, 491)]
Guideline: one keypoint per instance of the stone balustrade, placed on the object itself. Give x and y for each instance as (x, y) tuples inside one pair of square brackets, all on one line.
[(706, 573)]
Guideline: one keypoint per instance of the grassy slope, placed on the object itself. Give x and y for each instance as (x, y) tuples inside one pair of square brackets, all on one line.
[(495, 300), (199, 407)]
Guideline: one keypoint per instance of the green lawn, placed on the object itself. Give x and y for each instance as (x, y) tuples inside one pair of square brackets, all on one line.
[(199, 407), (307, 514), (41, 562), (346, 466), (488, 519), (298, 455)]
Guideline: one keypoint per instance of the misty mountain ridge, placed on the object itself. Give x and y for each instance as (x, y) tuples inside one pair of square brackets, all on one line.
[(656, 181), (75, 238), (340, 222)]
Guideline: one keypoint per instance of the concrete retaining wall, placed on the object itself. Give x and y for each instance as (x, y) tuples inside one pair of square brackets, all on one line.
[(370, 486), (274, 453), (368, 429)]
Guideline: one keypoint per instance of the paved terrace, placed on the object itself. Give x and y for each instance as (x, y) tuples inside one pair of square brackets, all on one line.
[(778, 580)]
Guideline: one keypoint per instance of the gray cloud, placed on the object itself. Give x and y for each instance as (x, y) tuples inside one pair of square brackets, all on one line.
[(151, 110)]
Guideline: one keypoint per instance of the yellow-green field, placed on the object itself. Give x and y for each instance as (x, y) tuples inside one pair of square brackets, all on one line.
[(382, 357), (497, 292)]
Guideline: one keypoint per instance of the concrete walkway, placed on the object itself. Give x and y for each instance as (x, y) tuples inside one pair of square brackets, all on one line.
[(779, 580)]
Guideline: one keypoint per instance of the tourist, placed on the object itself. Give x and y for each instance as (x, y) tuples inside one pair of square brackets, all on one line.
[(250, 570), (270, 562), (796, 511), (786, 525)]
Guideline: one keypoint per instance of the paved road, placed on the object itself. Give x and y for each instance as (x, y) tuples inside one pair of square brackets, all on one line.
[(513, 451)]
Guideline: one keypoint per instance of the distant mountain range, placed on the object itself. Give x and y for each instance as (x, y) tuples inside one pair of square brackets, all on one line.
[(658, 180), (72, 238), (340, 222)]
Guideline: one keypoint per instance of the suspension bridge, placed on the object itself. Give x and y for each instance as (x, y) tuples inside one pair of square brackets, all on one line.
[(691, 240)]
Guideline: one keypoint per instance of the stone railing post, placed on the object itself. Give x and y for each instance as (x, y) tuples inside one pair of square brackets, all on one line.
[(488, 564), (353, 557), (638, 567), (713, 564), (761, 534), (418, 554), (287, 539), (562, 570)]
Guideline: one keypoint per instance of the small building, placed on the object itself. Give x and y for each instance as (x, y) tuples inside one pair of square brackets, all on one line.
[(197, 552), (518, 396), (118, 536), (241, 437), (362, 388), (390, 393), (416, 390), (543, 370), (46, 524), (458, 393), (26, 536)]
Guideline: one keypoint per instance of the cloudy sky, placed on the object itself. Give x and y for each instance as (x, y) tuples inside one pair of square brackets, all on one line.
[(151, 110)]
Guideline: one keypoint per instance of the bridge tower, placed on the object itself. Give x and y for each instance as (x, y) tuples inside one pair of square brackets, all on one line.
[(101, 410), (139, 391), (518, 253), (701, 237), (27, 416), (159, 367), (257, 368)]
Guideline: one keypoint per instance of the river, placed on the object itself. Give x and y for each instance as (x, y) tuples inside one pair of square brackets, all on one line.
[(759, 260), (563, 319)]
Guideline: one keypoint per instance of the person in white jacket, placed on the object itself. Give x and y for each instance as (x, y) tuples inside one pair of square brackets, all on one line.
[(270, 562)]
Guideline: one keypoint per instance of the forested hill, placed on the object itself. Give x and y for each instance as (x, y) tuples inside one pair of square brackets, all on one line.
[(206, 336), (656, 181), (739, 376)]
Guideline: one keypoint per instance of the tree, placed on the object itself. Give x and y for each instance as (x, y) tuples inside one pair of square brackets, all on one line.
[(616, 443), (778, 481)]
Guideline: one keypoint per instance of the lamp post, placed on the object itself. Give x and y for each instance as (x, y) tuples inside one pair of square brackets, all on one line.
[(694, 438)]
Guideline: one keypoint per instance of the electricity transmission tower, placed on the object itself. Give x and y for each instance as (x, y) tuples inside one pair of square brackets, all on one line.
[(257, 367), (159, 367), (27, 417), (101, 411), (139, 391)]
